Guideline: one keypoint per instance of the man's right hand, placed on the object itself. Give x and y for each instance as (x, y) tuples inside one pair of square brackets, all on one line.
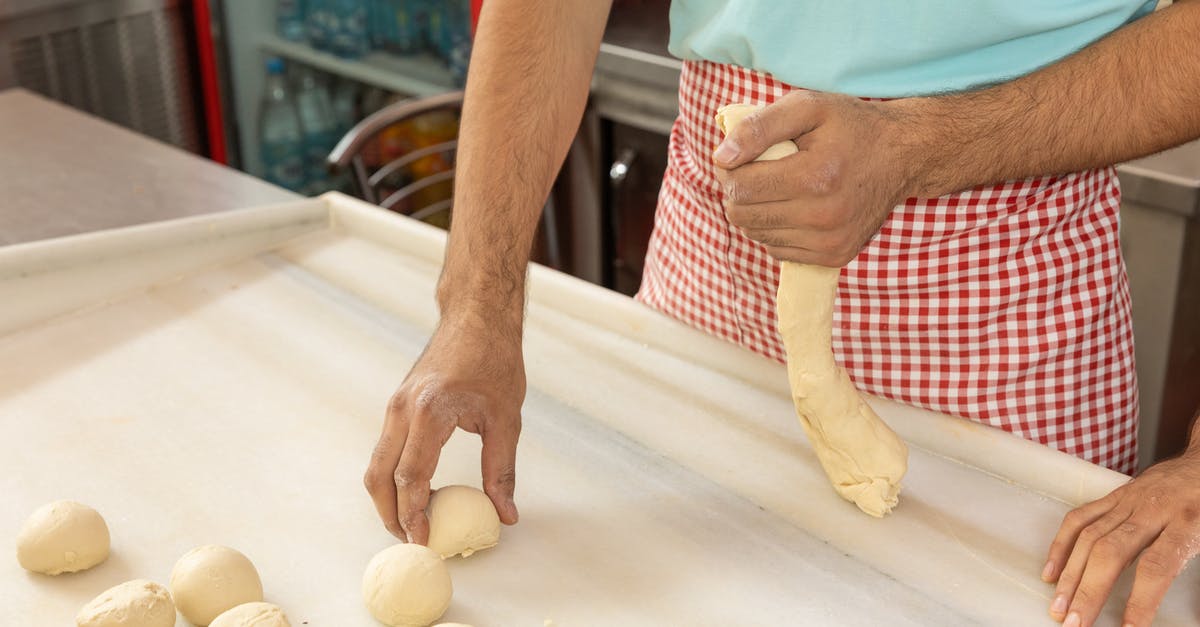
[(469, 376)]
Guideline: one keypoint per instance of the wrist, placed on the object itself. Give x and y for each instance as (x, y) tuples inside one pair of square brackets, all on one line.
[(919, 147), (472, 300)]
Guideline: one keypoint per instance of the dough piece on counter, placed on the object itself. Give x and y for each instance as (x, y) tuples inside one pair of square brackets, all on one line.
[(211, 579), (253, 614), (863, 458), (137, 603), (452, 625), (62, 537), (407, 585), (462, 520)]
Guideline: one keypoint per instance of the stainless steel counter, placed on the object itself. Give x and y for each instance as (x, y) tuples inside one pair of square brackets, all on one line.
[(65, 172)]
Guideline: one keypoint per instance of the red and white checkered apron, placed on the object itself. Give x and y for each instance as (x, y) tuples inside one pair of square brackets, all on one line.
[(1005, 304)]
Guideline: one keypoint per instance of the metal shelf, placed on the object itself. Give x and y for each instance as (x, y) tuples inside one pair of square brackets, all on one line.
[(414, 75)]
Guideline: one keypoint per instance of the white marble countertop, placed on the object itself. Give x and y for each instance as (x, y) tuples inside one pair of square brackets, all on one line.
[(221, 379)]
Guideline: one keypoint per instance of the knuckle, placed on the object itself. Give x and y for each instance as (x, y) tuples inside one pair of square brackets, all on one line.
[(404, 477), (1089, 535), (735, 191), (754, 129), (1155, 565), (1108, 548), (1085, 596), (826, 179), (396, 403), (374, 482), (504, 480), (1073, 519)]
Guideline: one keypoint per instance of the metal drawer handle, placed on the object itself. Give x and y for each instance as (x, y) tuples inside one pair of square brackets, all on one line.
[(620, 167)]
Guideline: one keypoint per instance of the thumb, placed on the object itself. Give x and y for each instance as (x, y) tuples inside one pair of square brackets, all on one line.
[(751, 129), (499, 465)]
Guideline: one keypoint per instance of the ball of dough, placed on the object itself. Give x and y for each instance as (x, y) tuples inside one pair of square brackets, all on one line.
[(137, 603), (256, 614), (62, 537), (462, 520), (211, 579), (407, 585)]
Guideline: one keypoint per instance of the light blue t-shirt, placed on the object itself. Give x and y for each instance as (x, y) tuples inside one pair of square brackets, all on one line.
[(893, 48)]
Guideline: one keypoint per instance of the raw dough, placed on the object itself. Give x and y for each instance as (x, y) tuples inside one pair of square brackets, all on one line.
[(255, 614), (211, 579), (451, 625), (406, 585), (863, 458), (62, 537), (137, 603), (462, 520)]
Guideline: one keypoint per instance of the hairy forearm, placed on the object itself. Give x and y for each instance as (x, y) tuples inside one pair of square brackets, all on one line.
[(530, 71), (1130, 94)]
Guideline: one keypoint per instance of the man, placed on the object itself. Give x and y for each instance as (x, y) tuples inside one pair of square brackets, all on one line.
[(1006, 303)]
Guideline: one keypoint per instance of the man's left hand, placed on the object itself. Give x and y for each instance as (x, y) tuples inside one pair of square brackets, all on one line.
[(824, 203), (1157, 515)]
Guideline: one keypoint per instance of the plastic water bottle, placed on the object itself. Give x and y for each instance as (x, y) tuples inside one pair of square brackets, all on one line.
[(281, 137), (316, 19), (348, 28), (320, 128), (408, 17), (290, 19)]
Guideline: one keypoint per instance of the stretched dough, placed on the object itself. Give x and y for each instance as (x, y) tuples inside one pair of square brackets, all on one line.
[(863, 458)]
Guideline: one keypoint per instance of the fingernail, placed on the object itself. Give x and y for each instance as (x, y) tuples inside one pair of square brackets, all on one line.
[(726, 152), (1059, 606), (1047, 571), (1073, 620)]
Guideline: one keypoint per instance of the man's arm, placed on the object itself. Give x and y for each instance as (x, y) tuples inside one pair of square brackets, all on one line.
[(530, 72), (1134, 92), (1131, 94)]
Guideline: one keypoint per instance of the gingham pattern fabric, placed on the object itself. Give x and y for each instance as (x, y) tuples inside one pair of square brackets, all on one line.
[(1005, 304)]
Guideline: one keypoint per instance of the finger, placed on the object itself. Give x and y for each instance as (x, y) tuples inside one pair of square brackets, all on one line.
[(1157, 568), (811, 257), (379, 478), (499, 464), (1072, 573), (413, 473), (787, 118), (806, 214), (802, 175), (1068, 531), (1109, 557)]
